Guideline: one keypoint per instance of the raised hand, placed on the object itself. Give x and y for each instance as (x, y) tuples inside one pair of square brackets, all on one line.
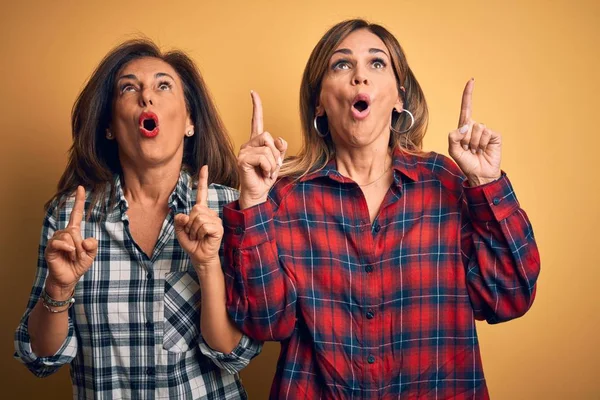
[(200, 233), (475, 148), (68, 255), (259, 160)]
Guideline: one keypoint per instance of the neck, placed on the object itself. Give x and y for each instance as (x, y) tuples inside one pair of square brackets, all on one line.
[(150, 186), (364, 166)]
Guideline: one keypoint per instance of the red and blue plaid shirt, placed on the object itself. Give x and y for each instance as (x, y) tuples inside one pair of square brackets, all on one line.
[(384, 309)]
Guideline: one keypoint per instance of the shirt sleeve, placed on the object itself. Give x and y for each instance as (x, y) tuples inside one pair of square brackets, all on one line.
[(499, 252), (239, 357), (43, 366), (261, 291)]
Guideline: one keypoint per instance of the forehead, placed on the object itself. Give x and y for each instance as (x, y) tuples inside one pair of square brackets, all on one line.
[(362, 40), (147, 67)]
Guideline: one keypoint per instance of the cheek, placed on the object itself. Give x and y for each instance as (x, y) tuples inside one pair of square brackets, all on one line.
[(331, 97)]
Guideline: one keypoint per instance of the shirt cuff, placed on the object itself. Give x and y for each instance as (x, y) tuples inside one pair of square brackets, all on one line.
[(237, 359), (249, 227), (493, 201), (39, 365)]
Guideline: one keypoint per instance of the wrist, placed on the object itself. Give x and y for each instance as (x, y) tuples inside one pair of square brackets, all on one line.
[(59, 292), (207, 269), (246, 202), (479, 181)]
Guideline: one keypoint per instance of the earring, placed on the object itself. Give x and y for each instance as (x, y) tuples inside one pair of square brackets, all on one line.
[(189, 133), (316, 125), (412, 122), (109, 134)]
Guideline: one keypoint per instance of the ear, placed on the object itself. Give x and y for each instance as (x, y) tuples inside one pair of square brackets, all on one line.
[(399, 104), (189, 126), (319, 111)]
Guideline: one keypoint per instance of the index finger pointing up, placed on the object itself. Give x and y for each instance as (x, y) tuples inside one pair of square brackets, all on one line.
[(257, 115), (465, 106), (77, 212), (202, 193)]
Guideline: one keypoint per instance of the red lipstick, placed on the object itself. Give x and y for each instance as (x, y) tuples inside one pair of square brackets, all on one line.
[(148, 124)]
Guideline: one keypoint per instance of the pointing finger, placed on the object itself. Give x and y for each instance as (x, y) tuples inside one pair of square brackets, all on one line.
[(202, 193), (257, 115), (77, 213), (465, 106)]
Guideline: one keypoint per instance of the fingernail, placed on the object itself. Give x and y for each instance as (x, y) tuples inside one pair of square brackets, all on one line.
[(280, 161), (71, 248), (251, 91), (465, 147), (474, 151), (464, 129)]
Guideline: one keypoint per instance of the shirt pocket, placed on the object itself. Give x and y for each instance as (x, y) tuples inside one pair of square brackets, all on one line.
[(182, 311)]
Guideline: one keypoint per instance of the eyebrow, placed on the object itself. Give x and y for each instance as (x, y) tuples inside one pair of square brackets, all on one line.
[(372, 50), (156, 76)]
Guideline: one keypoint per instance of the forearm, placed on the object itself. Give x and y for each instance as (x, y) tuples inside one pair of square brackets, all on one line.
[(500, 253), (48, 330), (218, 331)]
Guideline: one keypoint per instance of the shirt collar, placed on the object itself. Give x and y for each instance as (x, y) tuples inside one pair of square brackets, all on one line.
[(179, 201), (402, 162), (183, 196)]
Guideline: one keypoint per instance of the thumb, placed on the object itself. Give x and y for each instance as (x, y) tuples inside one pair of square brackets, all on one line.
[(90, 245), (181, 221), (282, 146)]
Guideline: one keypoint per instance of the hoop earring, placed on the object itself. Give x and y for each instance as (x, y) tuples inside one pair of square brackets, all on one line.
[(412, 122), (317, 128)]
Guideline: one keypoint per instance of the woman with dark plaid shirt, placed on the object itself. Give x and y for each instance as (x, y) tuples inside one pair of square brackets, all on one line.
[(129, 288)]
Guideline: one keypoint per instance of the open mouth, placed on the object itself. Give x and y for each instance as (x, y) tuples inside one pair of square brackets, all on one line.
[(361, 105), (148, 124)]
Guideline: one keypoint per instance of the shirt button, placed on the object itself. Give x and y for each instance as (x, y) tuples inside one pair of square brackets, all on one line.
[(496, 201), (377, 228), (150, 371), (149, 324), (369, 268), (370, 314), (149, 275), (371, 359), (238, 230)]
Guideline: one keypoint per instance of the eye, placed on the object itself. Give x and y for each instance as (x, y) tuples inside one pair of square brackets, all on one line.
[(164, 85), (378, 63), (127, 87), (341, 65)]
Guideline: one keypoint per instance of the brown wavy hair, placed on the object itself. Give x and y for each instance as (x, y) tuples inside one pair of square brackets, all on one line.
[(93, 160), (316, 151)]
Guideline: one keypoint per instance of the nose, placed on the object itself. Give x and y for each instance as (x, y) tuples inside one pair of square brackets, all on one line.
[(360, 76), (146, 98)]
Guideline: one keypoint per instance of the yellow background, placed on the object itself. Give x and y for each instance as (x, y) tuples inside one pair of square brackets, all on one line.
[(535, 65)]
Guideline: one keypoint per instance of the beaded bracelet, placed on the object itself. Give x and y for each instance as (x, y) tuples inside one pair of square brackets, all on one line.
[(49, 303)]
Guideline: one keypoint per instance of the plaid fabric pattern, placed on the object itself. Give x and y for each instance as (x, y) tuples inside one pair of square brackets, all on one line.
[(386, 309), (134, 327)]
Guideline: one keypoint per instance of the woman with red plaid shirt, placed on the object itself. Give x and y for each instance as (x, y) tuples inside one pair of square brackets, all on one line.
[(366, 257)]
